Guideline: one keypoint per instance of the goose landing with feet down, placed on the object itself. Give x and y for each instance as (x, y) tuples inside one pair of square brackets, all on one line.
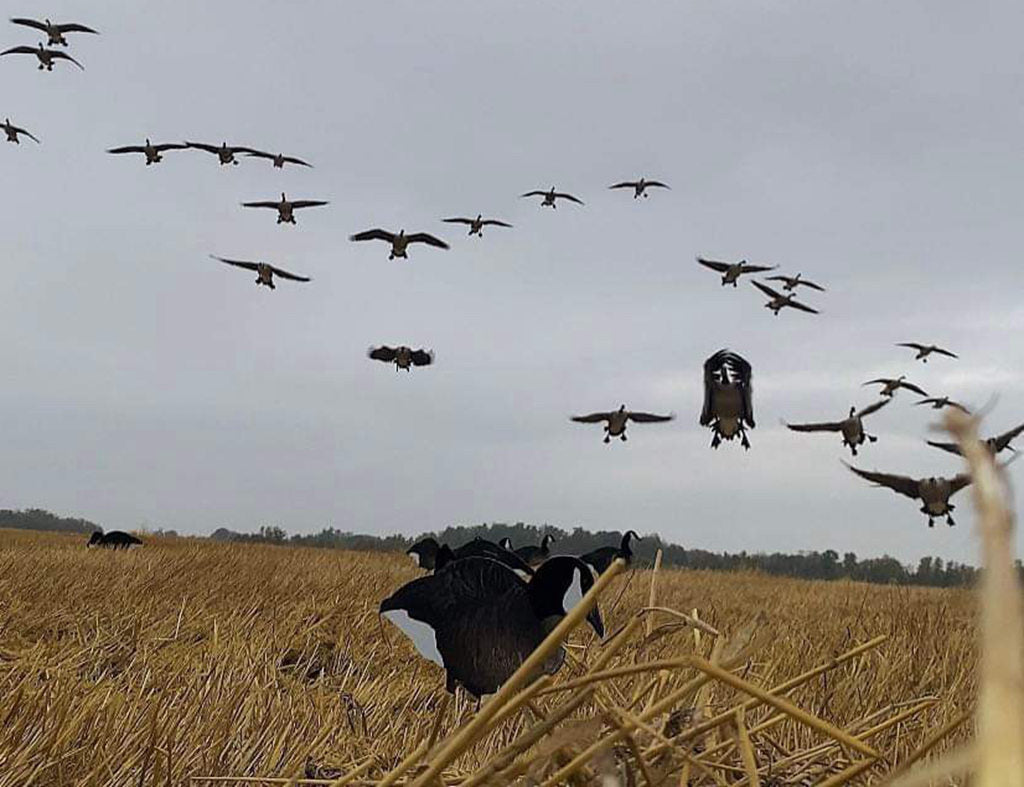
[(852, 427), (890, 385), (400, 242), (46, 57), (640, 186), (151, 151), (54, 31), (924, 350), (477, 224), (551, 197), (731, 271), (285, 207), (265, 272), (934, 493), (615, 421), (728, 398), (777, 301), (12, 132)]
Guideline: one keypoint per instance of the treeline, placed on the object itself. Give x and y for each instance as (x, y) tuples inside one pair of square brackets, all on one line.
[(38, 519)]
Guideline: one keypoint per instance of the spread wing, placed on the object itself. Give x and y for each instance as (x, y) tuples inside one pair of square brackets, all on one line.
[(873, 408), (650, 418), (914, 388), (827, 426), (287, 275), (458, 220), (1003, 440), (757, 268), (811, 285), (168, 146), (261, 204), (570, 197), (496, 223), (28, 134), (383, 353), (911, 345), (309, 203), (426, 237), (715, 265), (624, 185), (215, 149), (28, 23), (952, 448), (422, 357), (592, 418), (62, 56), (801, 306), (534, 194), (74, 27), (296, 160), (947, 353), (782, 278), (252, 266), (901, 484), (374, 234), (767, 290), (658, 184), (20, 50), (879, 381)]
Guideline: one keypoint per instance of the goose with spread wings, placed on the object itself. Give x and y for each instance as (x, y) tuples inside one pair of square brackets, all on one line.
[(400, 242), (939, 402), (777, 301), (731, 271), (46, 57), (402, 357), (551, 197), (278, 159), (12, 132), (924, 350), (285, 207), (477, 224), (616, 421), (890, 385), (639, 186), (224, 152), (728, 398), (994, 445), (265, 272), (54, 31), (153, 153), (934, 493), (851, 427), (790, 283)]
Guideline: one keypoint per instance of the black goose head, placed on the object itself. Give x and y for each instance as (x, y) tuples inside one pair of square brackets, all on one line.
[(95, 538), (424, 552), (558, 585), (625, 550)]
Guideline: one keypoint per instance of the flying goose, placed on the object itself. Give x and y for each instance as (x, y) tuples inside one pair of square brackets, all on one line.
[(279, 159), (12, 132), (45, 56), (54, 32), (731, 271), (286, 208), (792, 282), (151, 151), (891, 386), (265, 272), (480, 622), (640, 186), (924, 350), (599, 559), (778, 301), (934, 493), (994, 444), (399, 242), (224, 152), (115, 539), (427, 553), (617, 420), (551, 196), (477, 224), (728, 405), (937, 403), (852, 427), (403, 357), (534, 555)]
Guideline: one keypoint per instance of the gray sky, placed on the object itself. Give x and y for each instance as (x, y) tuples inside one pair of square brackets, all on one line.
[(873, 146)]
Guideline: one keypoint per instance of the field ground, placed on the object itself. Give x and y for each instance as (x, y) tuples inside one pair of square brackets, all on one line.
[(188, 658)]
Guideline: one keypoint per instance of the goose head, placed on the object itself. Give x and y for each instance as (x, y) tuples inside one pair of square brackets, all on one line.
[(853, 412), (283, 197), (546, 541), (424, 552), (622, 408), (629, 535), (479, 216), (95, 538), (559, 585)]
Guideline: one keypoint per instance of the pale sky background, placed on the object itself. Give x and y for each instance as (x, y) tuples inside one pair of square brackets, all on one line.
[(874, 146)]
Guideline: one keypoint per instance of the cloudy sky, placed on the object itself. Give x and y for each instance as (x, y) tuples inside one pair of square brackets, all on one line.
[(873, 146)]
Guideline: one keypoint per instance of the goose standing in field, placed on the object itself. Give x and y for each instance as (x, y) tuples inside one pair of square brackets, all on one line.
[(640, 186), (939, 402), (428, 554), (890, 386), (265, 272), (115, 539), (599, 559), (400, 242), (285, 207), (532, 555), (550, 197), (278, 159), (151, 151), (934, 493), (852, 427), (995, 444), (777, 301), (45, 56), (480, 622), (13, 131), (728, 398), (616, 421), (477, 224), (403, 357), (731, 271), (224, 152), (790, 283), (924, 350), (54, 31)]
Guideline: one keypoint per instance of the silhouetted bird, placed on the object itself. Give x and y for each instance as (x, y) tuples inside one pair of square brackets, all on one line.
[(115, 539), (599, 559)]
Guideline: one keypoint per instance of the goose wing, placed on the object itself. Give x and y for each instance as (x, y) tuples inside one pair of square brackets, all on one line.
[(570, 197), (262, 204), (715, 265), (426, 237), (747, 268), (534, 194), (374, 234), (650, 418), (64, 56), (626, 184), (167, 146), (900, 484), (958, 482), (810, 285), (947, 353), (288, 275), (28, 134), (873, 408), (880, 381), (252, 266), (592, 418), (20, 50), (951, 448), (20, 20), (801, 306), (74, 27), (495, 223), (911, 345), (768, 290), (945, 403), (1004, 440), (422, 357), (215, 149), (309, 203), (458, 220), (914, 388), (824, 426), (657, 184), (382, 353), (782, 278), (711, 367), (296, 160)]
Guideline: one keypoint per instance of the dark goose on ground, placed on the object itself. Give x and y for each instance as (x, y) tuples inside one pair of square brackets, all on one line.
[(115, 539), (602, 557), (429, 554), (535, 555)]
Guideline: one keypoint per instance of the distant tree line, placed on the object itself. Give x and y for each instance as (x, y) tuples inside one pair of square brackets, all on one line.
[(38, 519)]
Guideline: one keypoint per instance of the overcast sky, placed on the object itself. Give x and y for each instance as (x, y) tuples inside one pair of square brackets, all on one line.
[(873, 146)]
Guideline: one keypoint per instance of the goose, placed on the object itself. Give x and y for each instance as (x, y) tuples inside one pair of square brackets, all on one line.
[(225, 153), (477, 224), (731, 271), (45, 56), (54, 31), (286, 208), (403, 357), (617, 420), (13, 131), (550, 197), (115, 539), (852, 427), (778, 301), (728, 405), (890, 386), (400, 242), (924, 350), (599, 559), (937, 403), (279, 159), (534, 555), (639, 186), (479, 621), (265, 272), (995, 444), (428, 554), (934, 493), (151, 151), (792, 282)]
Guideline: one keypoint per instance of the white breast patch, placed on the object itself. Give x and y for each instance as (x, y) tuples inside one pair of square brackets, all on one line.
[(574, 594), (421, 634)]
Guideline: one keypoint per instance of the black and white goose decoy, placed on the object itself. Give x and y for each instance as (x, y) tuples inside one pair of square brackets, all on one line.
[(790, 283), (13, 131), (599, 559), (551, 197), (640, 186), (728, 398), (934, 493), (54, 31), (939, 402), (428, 554), (265, 272), (994, 445), (924, 350), (616, 421), (852, 427), (403, 357), (278, 159), (285, 207), (731, 271), (400, 242), (115, 539), (477, 224), (224, 152), (777, 301), (532, 555), (480, 622), (890, 386), (45, 56), (152, 152)]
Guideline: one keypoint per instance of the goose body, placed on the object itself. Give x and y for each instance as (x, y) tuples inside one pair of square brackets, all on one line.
[(11, 131), (790, 283), (924, 350), (939, 402), (278, 159), (224, 152), (601, 558), (934, 493), (851, 427), (400, 242), (115, 539), (891, 385), (728, 398), (403, 357), (778, 301), (54, 31), (532, 555), (639, 186), (265, 272), (551, 197), (149, 150), (285, 207), (46, 57), (731, 271), (616, 421), (477, 224)]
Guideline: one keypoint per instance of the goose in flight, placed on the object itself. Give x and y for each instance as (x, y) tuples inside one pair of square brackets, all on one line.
[(938, 402), (550, 197), (934, 493), (54, 32), (924, 350), (615, 421), (995, 444), (285, 207), (852, 427), (731, 271), (402, 357), (400, 242), (265, 272), (728, 403), (640, 186), (151, 151), (13, 131), (279, 159), (777, 301), (891, 386), (790, 283), (45, 56), (477, 224), (225, 153)]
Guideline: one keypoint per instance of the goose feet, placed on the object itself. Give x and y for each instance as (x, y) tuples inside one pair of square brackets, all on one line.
[(872, 438), (623, 437), (716, 440), (744, 441), (607, 439)]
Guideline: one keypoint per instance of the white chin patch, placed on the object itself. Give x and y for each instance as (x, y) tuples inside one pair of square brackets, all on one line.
[(415, 558), (574, 594), (523, 575), (421, 634)]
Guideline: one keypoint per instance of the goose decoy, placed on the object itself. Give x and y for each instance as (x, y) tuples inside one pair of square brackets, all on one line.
[(115, 539), (640, 186), (151, 151), (477, 224), (480, 622), (890, 386), (534, 555), (224, 152), (403, 357), (616, 421), (995, 444), (852, 427), (13, 131), (790, 283), (279, 159), (599, 559), (938, 402), (550, 197), (934, 493), (428, 554), (45, 56), (731, 271), (399, 242), (54, 31), (778, 301), (924, 350), (506, 543), (728, 404), (285, 207), (265, 272)]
